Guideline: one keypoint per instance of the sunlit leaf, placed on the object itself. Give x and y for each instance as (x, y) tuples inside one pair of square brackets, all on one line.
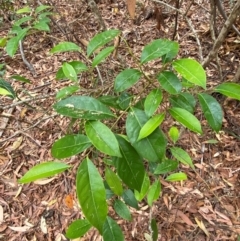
[(175, 177), (229, 89), (64, 47), (78, 228)]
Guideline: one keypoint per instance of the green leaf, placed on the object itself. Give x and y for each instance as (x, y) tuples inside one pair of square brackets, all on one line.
[(185, 101), (166, 166), (154, 192), (112, 231), (122, 210), (42, 25), (229, 89), (22, 20), (170, 82), (129, 198), (186, 118), (182, 156), (212, 111), (109, 100), (151, 148), (158, 48), (191, 70), (172, 52), (12, 44), (102, 138), (126, 79), (109, 192), (78, 228), (66, 91), (113, 181), (41, 8), (43, 170), (70, 145), (3, 42), (151, 126), (20, 78), (102, 56), (64, 47), (69, 72), (101, 39), (175, 177), (174, 134), (152, 101), (91, 194), (124, 100), (7, 89), (84, 107), (26, 9), (154, 230), (145, 186), (130, 166)]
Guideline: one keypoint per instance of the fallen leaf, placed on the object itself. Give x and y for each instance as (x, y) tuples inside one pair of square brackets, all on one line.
[(131, 5), (201, 226), (69, 201)]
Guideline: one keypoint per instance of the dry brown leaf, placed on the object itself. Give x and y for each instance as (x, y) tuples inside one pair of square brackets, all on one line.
[(16, 143), (131, 5), (1, 214), (183, 216), (20, 229), (202, 226)]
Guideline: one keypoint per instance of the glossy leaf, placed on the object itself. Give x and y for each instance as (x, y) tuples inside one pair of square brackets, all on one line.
[(69, 72), (101, 39), (70, 145), (165, 167), (151, 125), (43, 170), (154, 230), (64, 47), (91, 194), (151, 148), (122, 210), (4, 85), (229, 89), (113, 181), (154, 192), (191, 70), (78, 228), (174, 134), (130, 166), (102, 138), (144, 189), (186, 118), (64, 92), (182, 156), (112, 231), (156, 49), (170, 82), (129, 198), (126, 79), (84, 107), (212, 111), (102, 56), (175, 177), (152, 101)]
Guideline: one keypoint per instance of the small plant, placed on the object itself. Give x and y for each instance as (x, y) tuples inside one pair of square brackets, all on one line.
[(133, 159)]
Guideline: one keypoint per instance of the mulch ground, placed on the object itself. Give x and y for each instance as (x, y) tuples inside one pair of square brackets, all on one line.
[(205, 207)]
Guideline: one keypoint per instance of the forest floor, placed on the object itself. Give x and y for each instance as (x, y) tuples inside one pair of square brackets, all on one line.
[(205, 207)]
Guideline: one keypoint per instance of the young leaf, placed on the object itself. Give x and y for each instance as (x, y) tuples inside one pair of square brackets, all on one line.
[(152, 101), (229, 89), (129, 199), (101, 39), (91, 194), (43, 170), (70, 145), (145, 186), (175, 177), (151, 126), (182, 156), (174, 134), (64, 47), (112, 231), (102, 55), (26, 9), (186, 118), (122, 210), (84, 107), (102, 138), (126, 79), (191, 70), (166, 166), (78, 228), (130, 166), (69, 72), (212, 111), (154, 192), (3, 42), (66, 91), (113, 181), (5, 92), (170, 82), (156, 49)]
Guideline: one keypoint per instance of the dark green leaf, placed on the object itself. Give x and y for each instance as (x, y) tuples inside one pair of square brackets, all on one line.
[(154, 230), (129, 198), (112, 231), (20, 78), (166, 166), (122, 210), (7, 86), (124, 100)]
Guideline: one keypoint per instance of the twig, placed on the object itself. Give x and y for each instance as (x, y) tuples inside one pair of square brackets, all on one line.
[(237, 75), (30, 67), (176, 21), (5, 120)]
